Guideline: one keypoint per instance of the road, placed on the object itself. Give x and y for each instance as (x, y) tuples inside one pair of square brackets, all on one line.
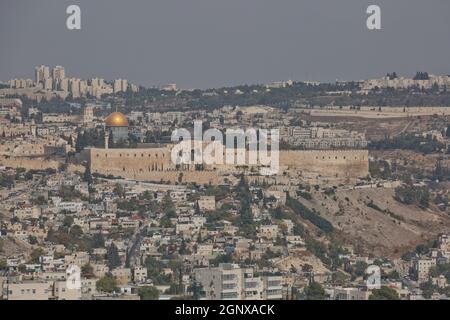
[(133, 253)]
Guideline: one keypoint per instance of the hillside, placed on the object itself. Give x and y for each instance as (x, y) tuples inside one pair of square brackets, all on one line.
[(373, 222)]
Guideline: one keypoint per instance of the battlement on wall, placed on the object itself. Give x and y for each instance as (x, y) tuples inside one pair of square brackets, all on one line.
[(156, 164), (130, 153), (330, 152), (327, 163), (350, 156), (29, 163)]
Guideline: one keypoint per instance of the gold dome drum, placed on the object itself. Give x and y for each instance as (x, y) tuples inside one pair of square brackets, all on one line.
[(116, 119)]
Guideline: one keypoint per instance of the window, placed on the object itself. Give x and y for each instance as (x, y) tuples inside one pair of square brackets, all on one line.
[(229, 295)]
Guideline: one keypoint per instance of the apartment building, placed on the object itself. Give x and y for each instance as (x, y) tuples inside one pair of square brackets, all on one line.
[(422, 269), (62, 292), (207, 203), (231, 282), (27, 290), (140, 274), (340, 293)]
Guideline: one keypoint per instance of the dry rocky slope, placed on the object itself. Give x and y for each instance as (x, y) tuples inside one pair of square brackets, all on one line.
[(374, 231)]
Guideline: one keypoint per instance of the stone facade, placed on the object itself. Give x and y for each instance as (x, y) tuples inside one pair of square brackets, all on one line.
[(327, 163), (29, 163), (154, 164)]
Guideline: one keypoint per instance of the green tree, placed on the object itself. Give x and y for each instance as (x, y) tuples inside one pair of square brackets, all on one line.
[(35, 255), (196, 290), (409, 194), (68, 221), (107, 284), (167, 204), (359, 268), (428, 289), (314, 292), (98, 241), (384, 293), (441, 269), (309, 215), (76, 232), (87, 176), (112, 256), (340, 278), (175, 288), (32, 240), (149, 293), (119, 190), (87, 269)]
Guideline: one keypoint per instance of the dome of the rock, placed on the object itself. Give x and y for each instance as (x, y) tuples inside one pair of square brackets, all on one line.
[(116, 119)]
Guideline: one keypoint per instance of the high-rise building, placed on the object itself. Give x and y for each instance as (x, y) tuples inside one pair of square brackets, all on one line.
[(88, 114), (64, 85), (58, 73), (170, 87), (83, 87), (41, 73), (75, 87), (231, 282), (97, 87), (97, 83), (48, 84), (120, 85)]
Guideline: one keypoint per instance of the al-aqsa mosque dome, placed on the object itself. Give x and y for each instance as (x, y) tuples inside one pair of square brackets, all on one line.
[(116, 119)]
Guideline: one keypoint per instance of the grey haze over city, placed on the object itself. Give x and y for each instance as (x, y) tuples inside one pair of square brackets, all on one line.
[(211, 43)]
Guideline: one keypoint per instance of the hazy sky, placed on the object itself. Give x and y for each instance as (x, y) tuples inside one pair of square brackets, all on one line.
[(211, 43)]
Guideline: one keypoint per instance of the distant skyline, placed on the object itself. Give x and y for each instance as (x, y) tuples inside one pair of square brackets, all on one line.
[(214, 43)]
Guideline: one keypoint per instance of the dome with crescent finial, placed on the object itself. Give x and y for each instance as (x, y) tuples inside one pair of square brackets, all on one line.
[(116, 119)]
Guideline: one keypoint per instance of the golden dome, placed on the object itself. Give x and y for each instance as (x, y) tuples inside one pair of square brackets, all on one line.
[(116, 119)]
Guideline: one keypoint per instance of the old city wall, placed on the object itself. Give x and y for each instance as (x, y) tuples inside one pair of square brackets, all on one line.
[(146, 164), (29, 163), (155, 165), (327, 163)]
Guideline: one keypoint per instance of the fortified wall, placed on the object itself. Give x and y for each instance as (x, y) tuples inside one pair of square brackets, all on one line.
[(29, 163), (327, 163), (154, 164)]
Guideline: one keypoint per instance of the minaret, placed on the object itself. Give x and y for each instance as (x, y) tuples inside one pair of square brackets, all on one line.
[(106, 139)]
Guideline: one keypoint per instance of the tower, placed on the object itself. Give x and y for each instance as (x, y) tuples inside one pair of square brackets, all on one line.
[(58, 73), (42, 73), (88, 114), (106, 139)]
